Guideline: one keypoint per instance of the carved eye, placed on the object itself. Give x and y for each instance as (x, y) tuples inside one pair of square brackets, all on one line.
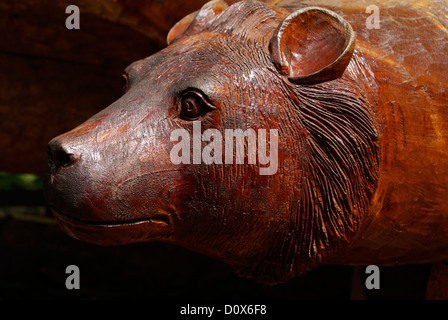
[(192, 105)]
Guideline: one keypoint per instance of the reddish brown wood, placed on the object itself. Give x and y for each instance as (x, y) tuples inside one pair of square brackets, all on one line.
[(312, 45), (362, 171), (409, 214), (54, 78)]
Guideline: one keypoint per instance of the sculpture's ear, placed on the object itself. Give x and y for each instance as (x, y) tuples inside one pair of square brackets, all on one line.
[(312, 45), (180, 27), (197, 19)]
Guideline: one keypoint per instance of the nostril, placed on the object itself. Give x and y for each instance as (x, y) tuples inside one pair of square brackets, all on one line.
[(62, 159), (59, 158)]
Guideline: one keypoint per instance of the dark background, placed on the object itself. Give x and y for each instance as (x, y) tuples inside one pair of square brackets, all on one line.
[(53, 79), (34, 256)]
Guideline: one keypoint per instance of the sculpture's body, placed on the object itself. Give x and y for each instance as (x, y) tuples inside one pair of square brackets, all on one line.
[(362, 141)]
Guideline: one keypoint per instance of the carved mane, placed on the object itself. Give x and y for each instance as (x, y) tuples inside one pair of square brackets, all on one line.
[(339, 173), (343, 163), (341, 151)]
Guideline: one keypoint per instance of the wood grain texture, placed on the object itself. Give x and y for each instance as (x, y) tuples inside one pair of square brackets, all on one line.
[(363, 163), (408, 212)]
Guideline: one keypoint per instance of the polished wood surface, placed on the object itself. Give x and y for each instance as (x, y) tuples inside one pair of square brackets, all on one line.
[(362, 175)]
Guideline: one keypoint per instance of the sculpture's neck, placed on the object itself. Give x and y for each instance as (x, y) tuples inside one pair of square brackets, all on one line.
[(409, 211)]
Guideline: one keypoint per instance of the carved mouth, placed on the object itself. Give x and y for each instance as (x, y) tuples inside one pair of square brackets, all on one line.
[(156, 227), (160, 219)]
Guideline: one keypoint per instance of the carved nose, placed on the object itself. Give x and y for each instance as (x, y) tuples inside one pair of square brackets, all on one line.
[(59, 157)]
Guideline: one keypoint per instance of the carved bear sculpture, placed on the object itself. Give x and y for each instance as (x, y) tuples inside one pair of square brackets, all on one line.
[(273, 138)]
